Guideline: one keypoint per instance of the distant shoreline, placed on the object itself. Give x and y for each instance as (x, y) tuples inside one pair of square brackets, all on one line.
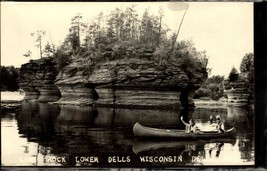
[(11, 96)]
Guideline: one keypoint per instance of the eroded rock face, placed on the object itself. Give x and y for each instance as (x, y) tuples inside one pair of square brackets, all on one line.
[(131, 83), (134, 83), (77, 95), (74, 88), (237, 91), (196, 74), (37, 80), (30, 92), (26, 77)]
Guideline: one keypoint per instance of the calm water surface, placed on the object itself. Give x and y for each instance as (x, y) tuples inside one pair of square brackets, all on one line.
[(37, 134)]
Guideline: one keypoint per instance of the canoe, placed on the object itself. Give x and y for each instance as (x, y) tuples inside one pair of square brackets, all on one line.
[(150, 145), (148, 132)]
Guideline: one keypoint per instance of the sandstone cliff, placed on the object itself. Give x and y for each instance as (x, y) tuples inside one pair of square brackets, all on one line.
[(37, 80), (238, 91), (134, 82)]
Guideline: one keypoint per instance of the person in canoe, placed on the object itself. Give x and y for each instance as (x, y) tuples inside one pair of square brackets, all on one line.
[(191, 126), (219, 125), (211, 119)]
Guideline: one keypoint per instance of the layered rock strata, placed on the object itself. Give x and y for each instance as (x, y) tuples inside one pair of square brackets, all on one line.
[(73, 87), (237, 91), (37, 80), (31, 93), (76, 95), (131, 83), (26, 78), (134, 83)]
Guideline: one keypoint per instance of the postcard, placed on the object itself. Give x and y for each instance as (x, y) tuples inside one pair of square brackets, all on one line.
[(129, 84)]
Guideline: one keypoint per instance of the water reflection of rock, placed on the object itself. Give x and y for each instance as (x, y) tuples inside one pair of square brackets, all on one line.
[(69, 131), (74, 115), (124, 116), (37, 121), (31, 93), (101, 117), (81, 131), (246, 148), (242, 115), (238, 113)]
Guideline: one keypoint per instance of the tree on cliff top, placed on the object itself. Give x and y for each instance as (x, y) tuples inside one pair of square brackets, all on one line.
[(118, 26), (233, 75), (39, 35), (77, 27), (215, 79), (125, 34), (49, 49), (183, 54)]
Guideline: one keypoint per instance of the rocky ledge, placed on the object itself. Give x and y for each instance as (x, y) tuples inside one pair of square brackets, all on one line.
[(123, 83), (237, 91), (37, 79)]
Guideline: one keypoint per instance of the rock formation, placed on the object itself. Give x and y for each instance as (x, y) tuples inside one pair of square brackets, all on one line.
[(131, 83), (37, 80), (237, 91), (26, 78), (196, 74)]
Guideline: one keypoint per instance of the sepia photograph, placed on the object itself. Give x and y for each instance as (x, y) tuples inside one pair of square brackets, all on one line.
[(127, 84)]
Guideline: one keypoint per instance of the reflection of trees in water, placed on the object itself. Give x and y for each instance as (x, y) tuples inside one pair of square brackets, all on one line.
[(242, 116), (129, 116), (250, 117), (77, 115), (246, 149)]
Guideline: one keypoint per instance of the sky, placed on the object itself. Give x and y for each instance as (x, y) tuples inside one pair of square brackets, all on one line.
[(223, 29)]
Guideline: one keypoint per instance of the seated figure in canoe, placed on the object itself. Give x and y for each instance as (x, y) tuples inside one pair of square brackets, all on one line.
[(219, 125), (211, 119), (191, 126)]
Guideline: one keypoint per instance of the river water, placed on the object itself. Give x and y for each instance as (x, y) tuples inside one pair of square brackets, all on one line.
[(37, 134)]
